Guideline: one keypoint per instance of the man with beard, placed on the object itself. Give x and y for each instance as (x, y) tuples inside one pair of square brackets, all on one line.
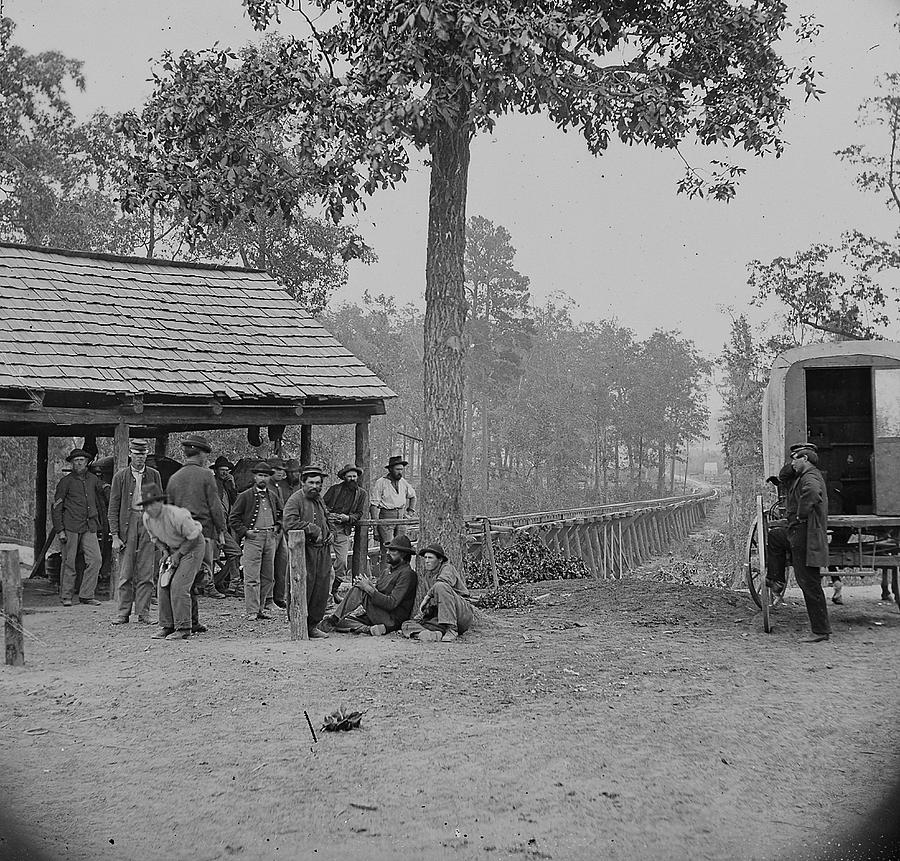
[(381, 606), (78, 506), (393, 498), (137, 556), (229, 572), (346, 504), (305, 510)]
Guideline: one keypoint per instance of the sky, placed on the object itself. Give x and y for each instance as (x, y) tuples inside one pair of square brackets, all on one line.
[(611, 232)]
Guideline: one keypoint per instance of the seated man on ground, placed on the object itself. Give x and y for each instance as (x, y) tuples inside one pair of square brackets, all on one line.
[(445, 611), (381, 606)]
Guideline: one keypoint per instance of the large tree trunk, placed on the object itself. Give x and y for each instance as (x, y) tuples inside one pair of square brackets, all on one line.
[(445, 314), (485, 444), (661, 468)]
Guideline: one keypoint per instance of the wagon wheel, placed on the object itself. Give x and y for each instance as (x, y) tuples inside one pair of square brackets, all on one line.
[(756, 564), (756, 579)]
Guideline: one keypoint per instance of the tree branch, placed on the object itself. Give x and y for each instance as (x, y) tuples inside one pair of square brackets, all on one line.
[(318, 39), (852, 336)]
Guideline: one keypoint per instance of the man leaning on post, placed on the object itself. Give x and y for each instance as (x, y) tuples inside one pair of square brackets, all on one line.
[(137, 556), (180, 539), (305, 510), (78, 505)]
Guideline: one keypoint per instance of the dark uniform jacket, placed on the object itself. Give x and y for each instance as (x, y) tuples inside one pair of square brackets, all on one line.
[(807, 505), (194, 487), (246, 508), (395, 592), (341, 499), (309, 514), (79, 504), (120, 496)]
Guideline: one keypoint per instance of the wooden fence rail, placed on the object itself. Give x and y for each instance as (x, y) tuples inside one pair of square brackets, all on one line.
[(610, 539)]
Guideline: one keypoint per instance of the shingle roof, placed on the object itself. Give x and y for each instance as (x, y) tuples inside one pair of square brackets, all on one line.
[(79, 322)]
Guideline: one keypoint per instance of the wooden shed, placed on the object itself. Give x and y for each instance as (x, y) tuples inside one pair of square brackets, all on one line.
[(100, 345), (845, 398)]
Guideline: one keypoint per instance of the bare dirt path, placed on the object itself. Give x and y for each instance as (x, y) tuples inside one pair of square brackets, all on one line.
[(628, 720)]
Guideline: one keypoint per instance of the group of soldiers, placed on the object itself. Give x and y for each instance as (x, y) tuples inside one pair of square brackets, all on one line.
[(168, 543)]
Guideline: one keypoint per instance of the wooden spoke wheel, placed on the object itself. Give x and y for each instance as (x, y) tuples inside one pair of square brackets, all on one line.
[(755, 577)]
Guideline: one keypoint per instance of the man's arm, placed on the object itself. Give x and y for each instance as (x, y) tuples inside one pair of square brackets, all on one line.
[(236, 518), (292, 517), (810, 495), (405, 583), (375, 502), (115, 500), (59, 502), (216, 509), (359, 509), (410, 499)]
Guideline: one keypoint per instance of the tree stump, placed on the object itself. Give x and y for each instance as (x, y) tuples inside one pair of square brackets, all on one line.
[(297, 608)]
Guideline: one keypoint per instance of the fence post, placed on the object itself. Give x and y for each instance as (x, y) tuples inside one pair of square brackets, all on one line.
[(297, 609), (11, 576), (489, 552)]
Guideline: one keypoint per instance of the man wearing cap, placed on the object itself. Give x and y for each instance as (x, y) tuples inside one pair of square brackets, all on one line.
[(137, 556), (292, 472), (180, 540), (380, 606), (806, 538), (393, 498), (230, 570), (305, 510), (445, 612), (78, 506), (346, 504), (193, 487), (256, 519)]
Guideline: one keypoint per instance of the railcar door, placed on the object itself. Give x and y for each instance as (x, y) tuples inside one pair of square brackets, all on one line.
[(886, 466)]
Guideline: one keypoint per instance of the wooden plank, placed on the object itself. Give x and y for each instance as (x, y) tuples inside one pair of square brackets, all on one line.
[(489, 553), (363, 459), (11, 577), (858, 521), (305, 444), (594, 538), (40, 493), (297, 608)]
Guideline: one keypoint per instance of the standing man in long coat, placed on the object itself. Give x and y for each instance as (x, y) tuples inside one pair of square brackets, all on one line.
[(305, 510), (807, 533), (137, 556)]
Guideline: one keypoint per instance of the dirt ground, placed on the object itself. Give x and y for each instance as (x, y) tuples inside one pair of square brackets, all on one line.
[(613, 720)]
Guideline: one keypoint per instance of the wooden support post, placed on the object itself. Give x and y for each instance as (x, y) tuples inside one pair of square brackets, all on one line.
[(162, 444), (363, 459), (596, 548), (120, 444), (11, 577), (305, 444), (297, 609), (566, 540), (489, 552), (40, 494), (621, 554), (577, 549)]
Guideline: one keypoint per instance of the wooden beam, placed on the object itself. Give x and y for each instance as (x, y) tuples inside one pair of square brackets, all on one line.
[(120, 444), (11, 577), (40, 492), (162, 444), (18, 418), (305, 444), (362, 458), (297, 608)]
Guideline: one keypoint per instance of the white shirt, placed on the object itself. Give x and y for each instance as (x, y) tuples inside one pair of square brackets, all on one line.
[(136, 496), (385, 495)]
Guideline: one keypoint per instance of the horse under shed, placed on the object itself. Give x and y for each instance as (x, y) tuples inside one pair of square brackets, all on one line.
[(97, 345)]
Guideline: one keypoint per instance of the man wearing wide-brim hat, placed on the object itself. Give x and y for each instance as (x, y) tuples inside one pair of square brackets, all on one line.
[(346, 502), (445, 612), (306, 511), (383, 605), (194, 487), (229, 572), (78, 506), (179, 537), (137, 556), (393, 498)]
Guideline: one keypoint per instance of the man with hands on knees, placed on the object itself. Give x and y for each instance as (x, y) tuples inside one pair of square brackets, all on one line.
[(379, 606), (445, 612), (180, 539)]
